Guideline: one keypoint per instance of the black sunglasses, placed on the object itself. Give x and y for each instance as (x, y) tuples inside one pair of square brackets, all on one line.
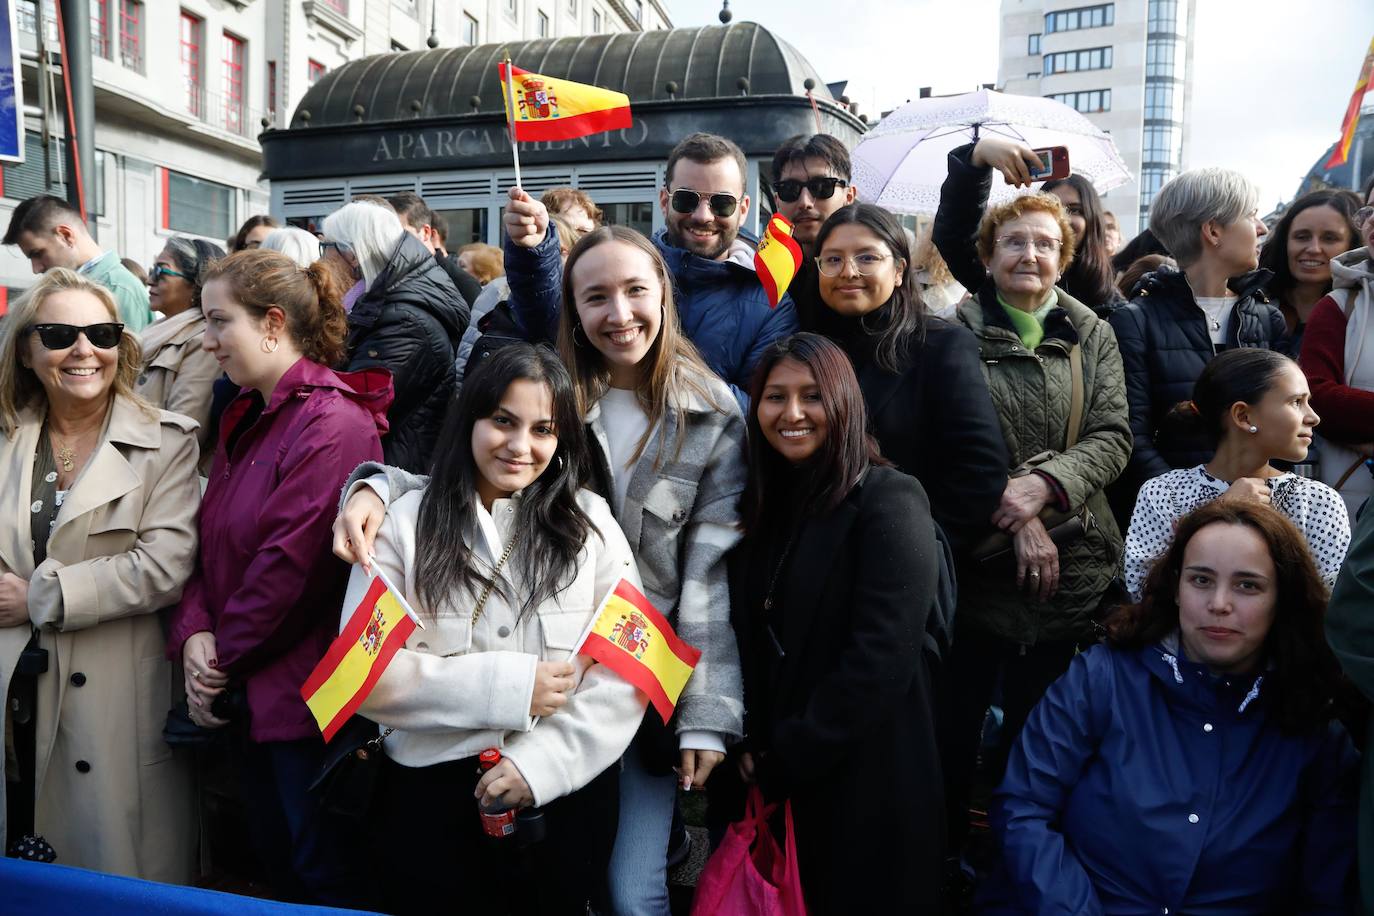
[(61, 336), (822, 187), (685, 200)]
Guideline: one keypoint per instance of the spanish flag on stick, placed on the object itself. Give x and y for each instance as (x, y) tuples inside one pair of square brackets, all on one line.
[(546, 108), (378, 627), (777, 259), (1352, 111), (635, 641)]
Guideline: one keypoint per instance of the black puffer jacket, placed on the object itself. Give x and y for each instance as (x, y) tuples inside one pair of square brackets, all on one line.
[(1164, 345), (410, 321)]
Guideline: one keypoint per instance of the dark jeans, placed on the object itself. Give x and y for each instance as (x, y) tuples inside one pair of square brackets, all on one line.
[(429, 848), (976, 663), (309, 855)]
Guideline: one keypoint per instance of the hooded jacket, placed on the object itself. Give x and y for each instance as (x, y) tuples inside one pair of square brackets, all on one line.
[(1142, 783), (1347, 412), (409, 321), (721, 305), (1164, 345), (267, 584)]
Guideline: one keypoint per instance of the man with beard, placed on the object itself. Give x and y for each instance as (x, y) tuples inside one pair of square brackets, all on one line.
[(810, 182), (721, 302)]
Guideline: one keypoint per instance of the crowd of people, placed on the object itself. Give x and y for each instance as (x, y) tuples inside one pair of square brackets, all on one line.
[(1019, 570)]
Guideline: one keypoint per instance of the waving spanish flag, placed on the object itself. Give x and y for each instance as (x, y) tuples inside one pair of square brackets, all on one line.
[(777, 259), (547, 108), (377, 629), (635, 641), (1363, 84)]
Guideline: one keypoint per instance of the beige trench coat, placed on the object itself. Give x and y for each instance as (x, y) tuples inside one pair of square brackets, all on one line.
[(111, 795), (178, 374)]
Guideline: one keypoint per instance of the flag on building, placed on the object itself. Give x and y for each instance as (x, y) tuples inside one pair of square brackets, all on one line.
[(547, 108), (635, 641), (777, 259), (377, 628), (1352, 112)]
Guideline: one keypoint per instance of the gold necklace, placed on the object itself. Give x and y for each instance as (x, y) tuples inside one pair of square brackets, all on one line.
[(67, 457)]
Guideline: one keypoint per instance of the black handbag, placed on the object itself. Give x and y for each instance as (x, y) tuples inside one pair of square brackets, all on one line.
[(348, 778)]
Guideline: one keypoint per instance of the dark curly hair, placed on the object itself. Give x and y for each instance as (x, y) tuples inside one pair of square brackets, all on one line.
[(1304, 682)]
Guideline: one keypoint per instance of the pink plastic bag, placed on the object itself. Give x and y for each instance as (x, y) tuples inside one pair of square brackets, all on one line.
[(748, 875)]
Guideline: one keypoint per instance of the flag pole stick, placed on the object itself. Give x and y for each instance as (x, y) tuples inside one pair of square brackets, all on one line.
[(400, 598), (510, 118)]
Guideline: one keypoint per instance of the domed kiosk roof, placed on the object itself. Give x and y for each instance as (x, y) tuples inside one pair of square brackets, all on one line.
[(712, 78)]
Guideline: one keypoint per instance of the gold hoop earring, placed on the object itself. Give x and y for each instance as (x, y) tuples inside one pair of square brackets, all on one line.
[(584, 342), (270, 344)]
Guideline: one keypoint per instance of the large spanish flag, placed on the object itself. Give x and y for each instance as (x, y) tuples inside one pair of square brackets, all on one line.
[(777, 259), (547, 108), (635, 641), (1352, 111), (378, 627)]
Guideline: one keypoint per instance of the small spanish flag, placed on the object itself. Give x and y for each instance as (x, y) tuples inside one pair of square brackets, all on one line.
[(378, 627), (777, 259), (1363, 84), (547, 108), (635, 641)]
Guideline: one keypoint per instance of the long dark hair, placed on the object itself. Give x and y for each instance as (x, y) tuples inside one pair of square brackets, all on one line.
[(1304, 680), (906, 314), (552, 526), (1274, 254), (1090, 278), (847, 452), (1242, 374)]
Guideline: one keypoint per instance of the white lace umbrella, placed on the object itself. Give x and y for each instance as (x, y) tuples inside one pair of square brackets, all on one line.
[(901, 163)]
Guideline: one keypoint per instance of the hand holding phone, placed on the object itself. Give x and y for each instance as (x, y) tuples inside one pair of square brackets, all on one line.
[(1054, 163)]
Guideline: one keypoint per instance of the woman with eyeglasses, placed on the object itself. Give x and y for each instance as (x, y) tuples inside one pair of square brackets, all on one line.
[(1056, 380), (1338, 359), (99, 497), (178, 373), (927, 400)]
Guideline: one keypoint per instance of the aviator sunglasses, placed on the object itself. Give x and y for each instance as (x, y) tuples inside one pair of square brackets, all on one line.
[(685, 200), (104, 336), (822, 187)]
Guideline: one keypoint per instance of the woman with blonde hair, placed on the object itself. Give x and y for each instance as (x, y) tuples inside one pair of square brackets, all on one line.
[(667, 444), (100, 493)]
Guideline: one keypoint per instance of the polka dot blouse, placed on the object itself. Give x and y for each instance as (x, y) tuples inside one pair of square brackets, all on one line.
[(1317, 510)]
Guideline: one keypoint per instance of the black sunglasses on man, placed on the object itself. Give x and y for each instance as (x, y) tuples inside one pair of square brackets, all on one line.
[(685, 200), (822, 187)]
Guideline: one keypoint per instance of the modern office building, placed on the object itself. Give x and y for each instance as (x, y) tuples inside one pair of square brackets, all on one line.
[(184, 87), (1126, 65)]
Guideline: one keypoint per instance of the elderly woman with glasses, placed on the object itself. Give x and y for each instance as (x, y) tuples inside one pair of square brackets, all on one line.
[(1339, 370), (99, 497), (178, 374), (1056, 380)]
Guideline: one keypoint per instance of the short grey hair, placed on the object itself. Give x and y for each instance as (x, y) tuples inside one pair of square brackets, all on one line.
[(297, 244), (1196, 197), (371, 230)]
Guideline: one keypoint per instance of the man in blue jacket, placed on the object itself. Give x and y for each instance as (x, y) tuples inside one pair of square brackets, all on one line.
[(720, 300)]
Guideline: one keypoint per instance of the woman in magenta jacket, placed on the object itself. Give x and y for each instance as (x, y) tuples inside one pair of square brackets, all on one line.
[(263, 604)]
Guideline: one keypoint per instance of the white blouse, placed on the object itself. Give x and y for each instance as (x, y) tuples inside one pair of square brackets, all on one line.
[(1315, 508)]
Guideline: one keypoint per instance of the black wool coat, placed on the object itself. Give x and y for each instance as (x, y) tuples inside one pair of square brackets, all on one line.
[(842, 722), (409, 321)]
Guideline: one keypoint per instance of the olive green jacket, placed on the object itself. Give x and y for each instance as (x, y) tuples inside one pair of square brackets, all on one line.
[(1031, 391)]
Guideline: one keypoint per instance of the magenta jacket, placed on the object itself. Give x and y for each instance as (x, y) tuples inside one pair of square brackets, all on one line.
[(266, 582)]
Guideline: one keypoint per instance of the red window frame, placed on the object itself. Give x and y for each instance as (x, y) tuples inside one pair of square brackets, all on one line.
[(338, 6), (315, 71), (191, 41), (272, 91), (234, 51), (130, 41), (100, 28)]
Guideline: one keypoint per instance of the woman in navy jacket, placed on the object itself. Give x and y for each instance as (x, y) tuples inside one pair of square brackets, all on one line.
[(1192, 764)]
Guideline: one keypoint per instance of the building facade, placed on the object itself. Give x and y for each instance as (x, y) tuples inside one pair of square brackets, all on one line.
[(1125, 65), (183, 88)]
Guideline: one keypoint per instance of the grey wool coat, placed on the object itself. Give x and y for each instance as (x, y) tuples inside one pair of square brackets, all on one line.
[(680, 517)]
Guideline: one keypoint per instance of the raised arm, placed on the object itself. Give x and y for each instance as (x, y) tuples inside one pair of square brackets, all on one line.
[(534, 268)]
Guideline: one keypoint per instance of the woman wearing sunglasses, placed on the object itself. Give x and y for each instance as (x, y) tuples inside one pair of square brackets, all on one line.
[(178, 374), (99, 496), (1057, 382)]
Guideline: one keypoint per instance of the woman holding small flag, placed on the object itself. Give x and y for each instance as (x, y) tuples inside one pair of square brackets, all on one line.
[(262, 606), (667, 451), (507, 560), (833, 583)]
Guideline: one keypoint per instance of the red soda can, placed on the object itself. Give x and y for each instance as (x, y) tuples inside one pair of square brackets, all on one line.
[(497, 821)]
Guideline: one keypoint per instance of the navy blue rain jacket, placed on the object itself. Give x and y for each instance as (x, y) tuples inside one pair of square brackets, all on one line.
[(1144, 784)]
